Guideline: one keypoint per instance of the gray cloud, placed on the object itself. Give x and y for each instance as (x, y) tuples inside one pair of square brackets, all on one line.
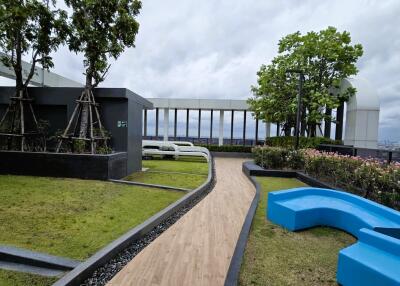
[(213, 49)]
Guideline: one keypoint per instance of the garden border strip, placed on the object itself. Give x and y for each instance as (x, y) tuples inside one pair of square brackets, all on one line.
[(236, 261), (86, 268), (150, 185), (250, 169), (24, 268), (20, 259), (255, 170)]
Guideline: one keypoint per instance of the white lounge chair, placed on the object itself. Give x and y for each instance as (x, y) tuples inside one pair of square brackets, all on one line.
[(175, 149)]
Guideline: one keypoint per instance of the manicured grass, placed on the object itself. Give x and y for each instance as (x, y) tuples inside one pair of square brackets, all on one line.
[(275, 256), (188, 173), (184, 165), (72, 218), (12, 278)]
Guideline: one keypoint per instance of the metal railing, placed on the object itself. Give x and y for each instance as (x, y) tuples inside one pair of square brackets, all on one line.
[(209, 141), (380, 154)]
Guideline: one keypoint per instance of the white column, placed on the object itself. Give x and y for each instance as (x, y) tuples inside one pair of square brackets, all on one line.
[(166, 123), (267, 129), (362, 116), (221, 128)]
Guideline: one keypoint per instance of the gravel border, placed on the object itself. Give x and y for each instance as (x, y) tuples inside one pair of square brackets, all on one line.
[(106, 272)]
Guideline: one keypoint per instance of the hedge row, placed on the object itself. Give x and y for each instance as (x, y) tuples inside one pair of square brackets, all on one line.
[(304, 142), (286, 142), (228, 148), (369, 178)]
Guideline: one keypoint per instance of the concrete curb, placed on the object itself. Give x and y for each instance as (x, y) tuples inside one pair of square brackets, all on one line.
[(36, 262), (82, 271), (150, 185)]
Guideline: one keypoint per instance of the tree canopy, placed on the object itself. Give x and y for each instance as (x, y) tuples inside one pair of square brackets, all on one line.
[(30, 27), (27, 28), (102, 29), (326, 58)]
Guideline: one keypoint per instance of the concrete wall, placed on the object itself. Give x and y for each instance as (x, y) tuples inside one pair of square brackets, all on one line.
[(116, 104)]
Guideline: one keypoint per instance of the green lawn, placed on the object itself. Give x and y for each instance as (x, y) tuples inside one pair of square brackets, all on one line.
[(12, 278), (188, 173), (275, 256), (70, 217)]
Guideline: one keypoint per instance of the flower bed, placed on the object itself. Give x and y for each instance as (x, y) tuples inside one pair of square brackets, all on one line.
[(369, 178)]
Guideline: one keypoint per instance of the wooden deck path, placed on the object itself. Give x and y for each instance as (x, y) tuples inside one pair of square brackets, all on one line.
[(197, 249)]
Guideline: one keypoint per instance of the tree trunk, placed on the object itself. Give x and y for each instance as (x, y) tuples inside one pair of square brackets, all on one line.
[(327, 129), (19, 84), (303, 122), (287, 129), (85, 108), (313, 130)]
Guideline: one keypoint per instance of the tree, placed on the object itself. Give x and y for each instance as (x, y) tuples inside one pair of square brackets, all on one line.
[(275, 96), (100, 29), (27, 27), (326, 58)]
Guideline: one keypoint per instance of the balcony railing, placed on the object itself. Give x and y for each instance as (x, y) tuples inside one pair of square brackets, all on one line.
[(379, 154)]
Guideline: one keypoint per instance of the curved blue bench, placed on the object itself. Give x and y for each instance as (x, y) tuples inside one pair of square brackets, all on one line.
[(374, 259)]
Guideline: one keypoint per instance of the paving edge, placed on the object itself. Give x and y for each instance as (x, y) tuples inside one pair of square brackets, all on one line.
[(20, 259), (83, 271), (132, 183), (250, 169)]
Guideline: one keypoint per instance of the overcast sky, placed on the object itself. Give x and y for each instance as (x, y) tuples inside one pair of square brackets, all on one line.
[(213, 49)]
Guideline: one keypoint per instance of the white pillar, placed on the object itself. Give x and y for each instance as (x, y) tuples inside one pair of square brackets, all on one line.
[(267, 129), (221, 128), (362, 116), (166, 123)]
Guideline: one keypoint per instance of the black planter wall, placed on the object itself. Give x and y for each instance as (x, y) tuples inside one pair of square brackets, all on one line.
[(120, 108), (83, 166)]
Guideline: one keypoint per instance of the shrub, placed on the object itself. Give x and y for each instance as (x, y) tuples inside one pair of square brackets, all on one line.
[(295, 160), (304, 142), (228, 148), (271, 157), (369, 178)]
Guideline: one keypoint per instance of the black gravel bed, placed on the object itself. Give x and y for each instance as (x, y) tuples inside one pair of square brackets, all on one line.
[(106, 272)]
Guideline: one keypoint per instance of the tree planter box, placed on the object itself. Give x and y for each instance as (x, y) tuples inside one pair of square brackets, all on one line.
[(121, 111), (83, 166)]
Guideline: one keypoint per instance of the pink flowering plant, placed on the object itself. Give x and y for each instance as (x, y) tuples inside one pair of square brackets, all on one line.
[(366, 177)]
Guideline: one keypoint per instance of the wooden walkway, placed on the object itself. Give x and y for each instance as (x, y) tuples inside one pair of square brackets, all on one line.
[(198, 248)]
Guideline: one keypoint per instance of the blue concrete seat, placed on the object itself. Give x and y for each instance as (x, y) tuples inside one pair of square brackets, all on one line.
[(373, 260), (376, 255)]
